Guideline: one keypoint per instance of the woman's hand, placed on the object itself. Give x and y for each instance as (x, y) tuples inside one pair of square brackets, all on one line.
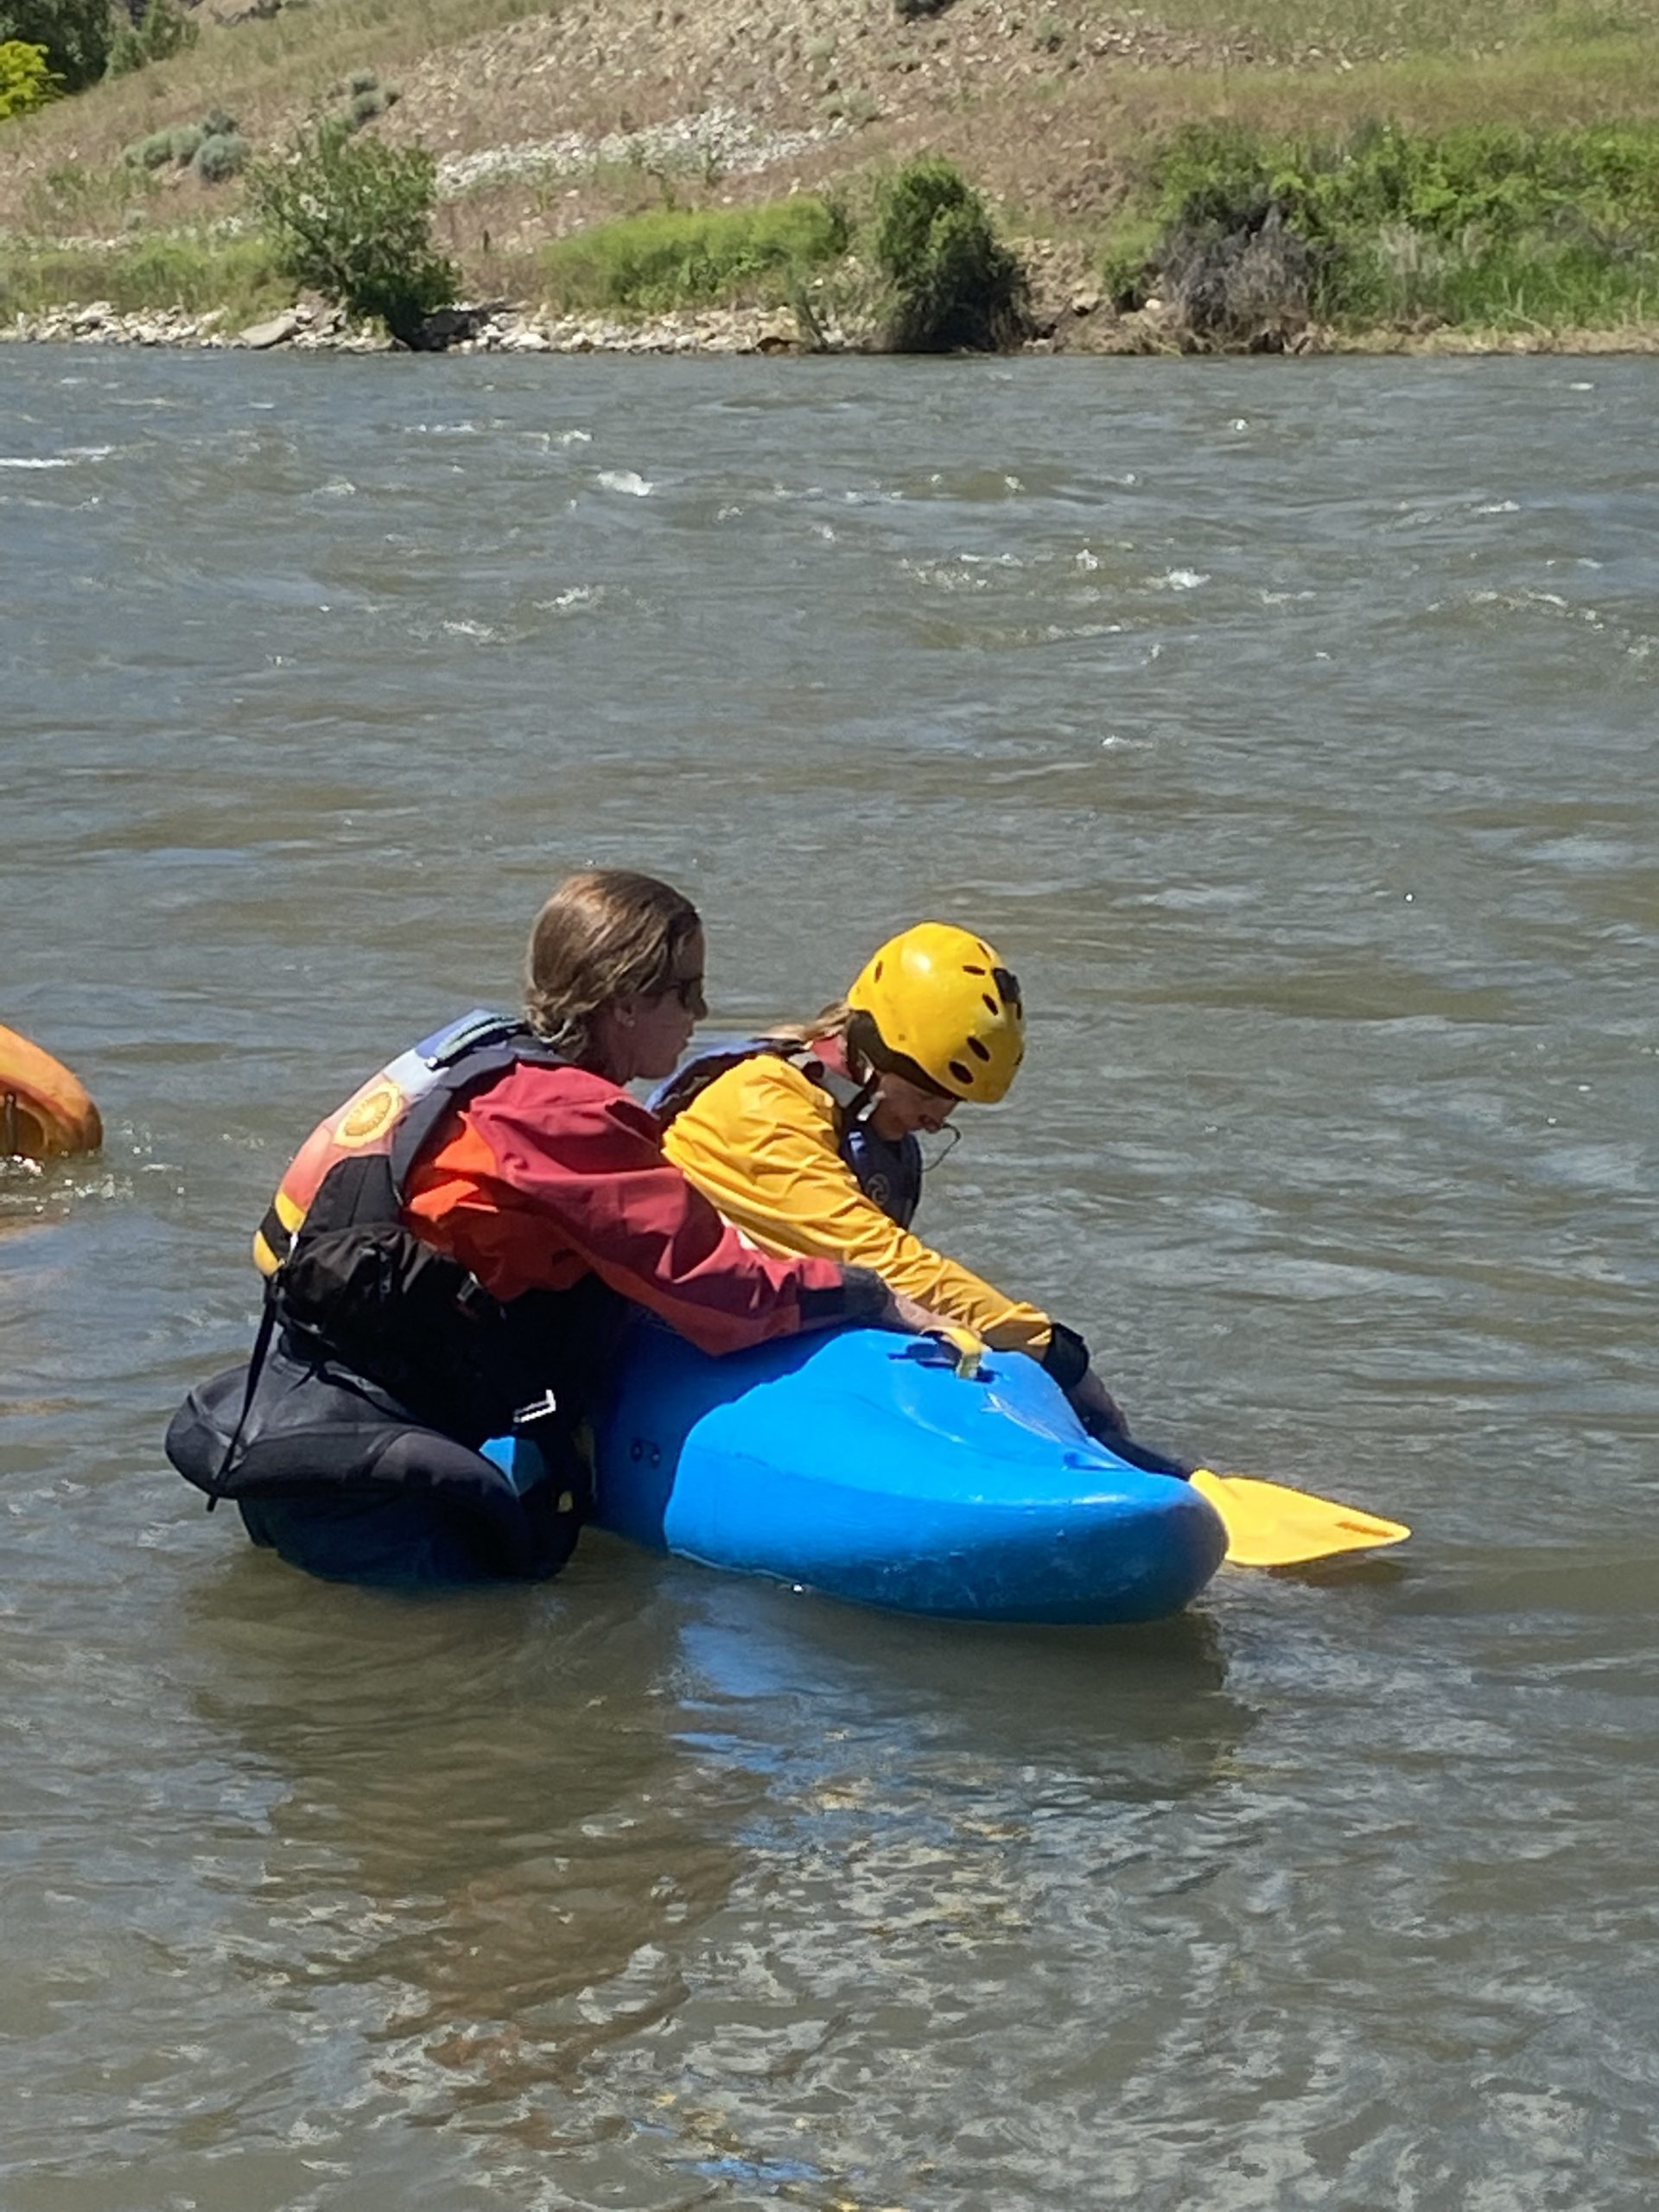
[(904, 1313)]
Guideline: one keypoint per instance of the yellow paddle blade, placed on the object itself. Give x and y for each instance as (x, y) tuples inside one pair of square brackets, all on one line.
[(1270, 1526)]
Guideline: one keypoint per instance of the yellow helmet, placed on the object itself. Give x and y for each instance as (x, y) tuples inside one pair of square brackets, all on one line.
[(941, 999)]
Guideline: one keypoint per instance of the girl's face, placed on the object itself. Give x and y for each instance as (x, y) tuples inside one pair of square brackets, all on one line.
[(646, 1034), (903, 1109)]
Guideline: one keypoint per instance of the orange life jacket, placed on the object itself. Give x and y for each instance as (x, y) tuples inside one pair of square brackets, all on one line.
[(383, 1126)]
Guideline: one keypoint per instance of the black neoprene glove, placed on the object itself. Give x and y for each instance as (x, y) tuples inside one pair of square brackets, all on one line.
[(1066, 1357)]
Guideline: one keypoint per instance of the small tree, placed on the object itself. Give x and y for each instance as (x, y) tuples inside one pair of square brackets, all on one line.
[(75, 33), (26, 79), (950, 284), (161, 30), (351, 219)]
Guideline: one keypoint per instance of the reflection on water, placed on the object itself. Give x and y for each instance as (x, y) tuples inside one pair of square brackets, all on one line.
[(1293, 731)]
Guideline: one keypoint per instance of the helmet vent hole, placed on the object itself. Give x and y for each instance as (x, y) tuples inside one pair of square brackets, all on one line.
[(989, 1003), (962, 1074), (980, 1051), (969, 969)]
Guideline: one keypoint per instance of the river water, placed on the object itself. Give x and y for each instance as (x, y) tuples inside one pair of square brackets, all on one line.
[(1291, 729)]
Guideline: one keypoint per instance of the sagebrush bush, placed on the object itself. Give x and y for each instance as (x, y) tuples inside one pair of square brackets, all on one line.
[(26, 77), (221, 155), (950, 284), (351, 219), (149, 153), (183, 144)]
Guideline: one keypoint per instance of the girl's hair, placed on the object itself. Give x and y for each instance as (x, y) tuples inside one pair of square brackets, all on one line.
[(868, 1052), (830, 1022), (605, 934)]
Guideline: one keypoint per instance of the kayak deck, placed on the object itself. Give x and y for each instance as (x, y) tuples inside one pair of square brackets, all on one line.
[(856, 1463)]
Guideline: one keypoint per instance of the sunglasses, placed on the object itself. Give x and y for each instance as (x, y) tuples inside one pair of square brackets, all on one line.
[(688, 989)]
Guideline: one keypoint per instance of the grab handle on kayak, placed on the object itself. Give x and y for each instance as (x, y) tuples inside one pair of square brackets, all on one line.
[(959, 1350)]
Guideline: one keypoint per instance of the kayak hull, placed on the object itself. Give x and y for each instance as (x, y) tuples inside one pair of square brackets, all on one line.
[(44, 1111), (859, 1465)]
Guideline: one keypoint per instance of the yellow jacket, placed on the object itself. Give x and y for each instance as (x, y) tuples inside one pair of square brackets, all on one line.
[(763, 1142)]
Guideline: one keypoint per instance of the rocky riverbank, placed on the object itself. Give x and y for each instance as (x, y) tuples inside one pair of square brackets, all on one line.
[(1072, 316), (1075, 319), (310, 327)]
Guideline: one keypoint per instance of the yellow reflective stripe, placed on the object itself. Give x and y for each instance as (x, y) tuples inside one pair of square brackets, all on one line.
[(274, 1239)]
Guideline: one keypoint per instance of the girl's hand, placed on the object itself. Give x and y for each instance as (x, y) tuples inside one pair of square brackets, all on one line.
[(1095, 1407)]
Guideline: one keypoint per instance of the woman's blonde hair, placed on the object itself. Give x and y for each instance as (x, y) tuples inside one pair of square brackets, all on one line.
[(604, 935)]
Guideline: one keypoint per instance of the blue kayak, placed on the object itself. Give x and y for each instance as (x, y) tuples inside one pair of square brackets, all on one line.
[(860, 1463)]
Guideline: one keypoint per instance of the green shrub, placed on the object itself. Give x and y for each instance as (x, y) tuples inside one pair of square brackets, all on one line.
[(351, 219), (221, 156), (361, 80), (911, 11), (75, 34), (27, 79), (366, 105), (949, 283), (679, 258), (162, 31)]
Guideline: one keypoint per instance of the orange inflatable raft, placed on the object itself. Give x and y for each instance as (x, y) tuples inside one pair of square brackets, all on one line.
[(44, 1110)]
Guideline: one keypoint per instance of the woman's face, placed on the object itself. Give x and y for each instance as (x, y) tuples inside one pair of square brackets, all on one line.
[(902, 1107), (646, 1034)]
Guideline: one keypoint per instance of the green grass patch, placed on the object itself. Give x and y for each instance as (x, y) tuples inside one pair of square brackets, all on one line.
[(1491, 226), (1504, 181), (151, 274), (1544, 286), (652, 264)]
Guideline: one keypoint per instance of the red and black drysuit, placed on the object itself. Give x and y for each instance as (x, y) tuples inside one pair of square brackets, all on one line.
[(452, 1252)]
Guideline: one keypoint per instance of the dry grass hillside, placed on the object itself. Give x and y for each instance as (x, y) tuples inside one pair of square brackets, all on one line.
[(548, 118)]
